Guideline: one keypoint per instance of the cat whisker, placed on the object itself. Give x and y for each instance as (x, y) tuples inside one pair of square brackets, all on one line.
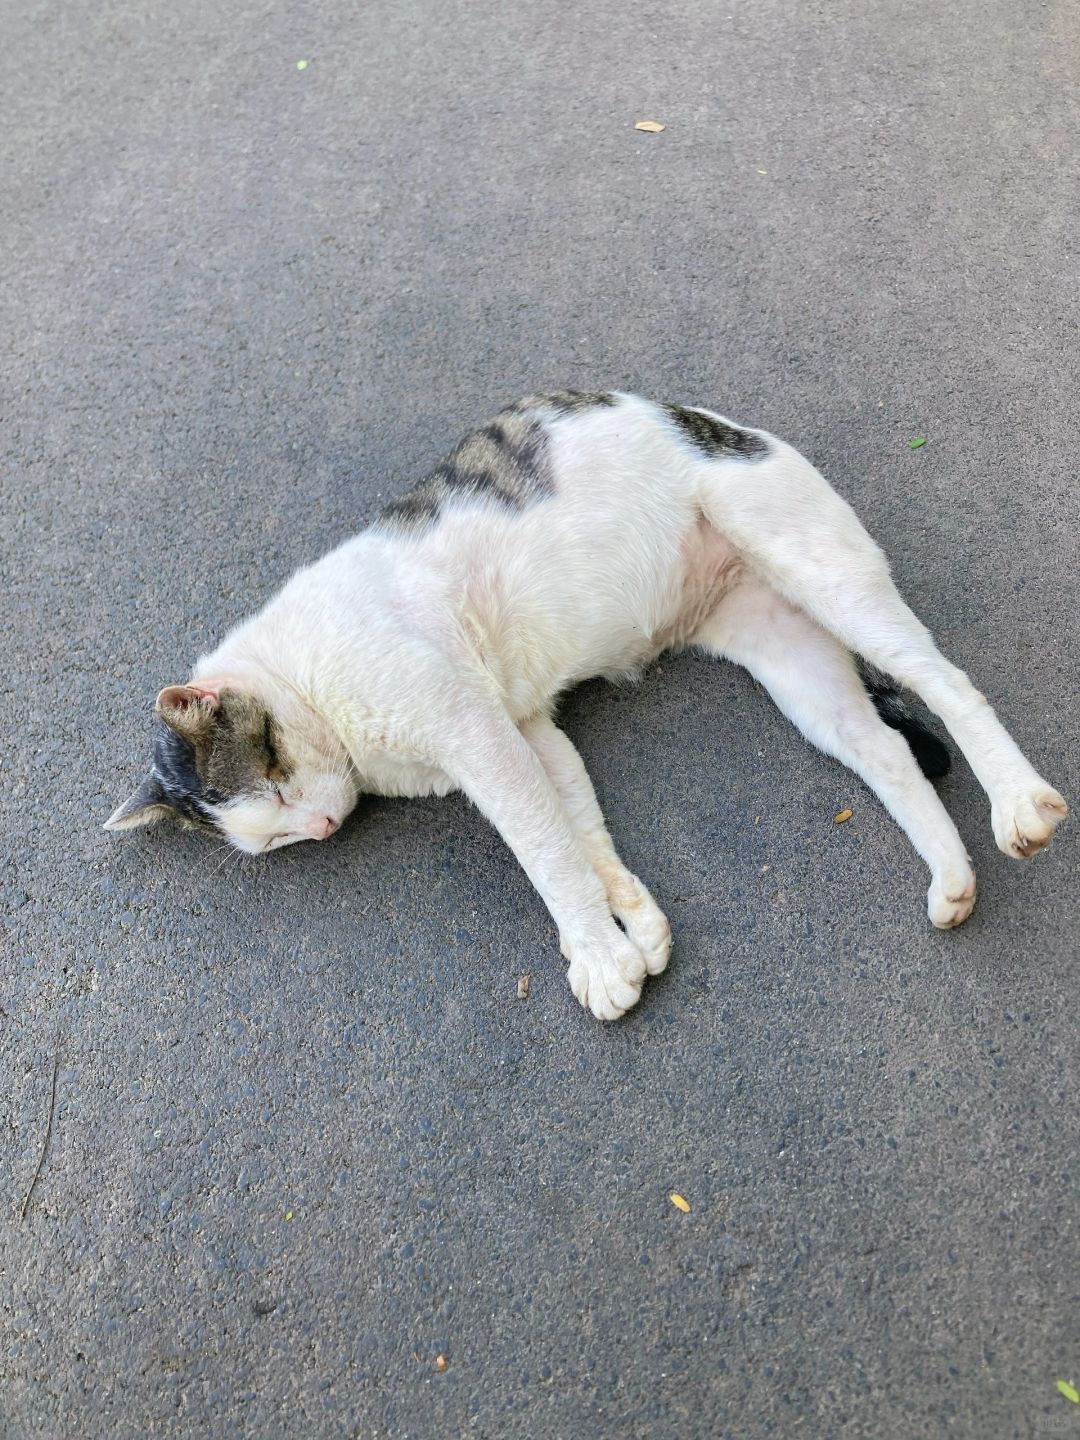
[(216, 861)]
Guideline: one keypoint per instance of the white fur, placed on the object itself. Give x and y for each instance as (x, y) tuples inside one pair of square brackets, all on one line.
[(432, 661)]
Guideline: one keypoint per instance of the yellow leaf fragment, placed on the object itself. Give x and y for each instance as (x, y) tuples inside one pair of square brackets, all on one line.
[(441, 1363), (288, 1214), (842, 816), (1069, 1391), (762, 172), (651, 127), (679, 1203), (301, 64)]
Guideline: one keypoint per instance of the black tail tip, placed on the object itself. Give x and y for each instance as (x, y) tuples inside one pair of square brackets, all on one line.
[(931, 754)]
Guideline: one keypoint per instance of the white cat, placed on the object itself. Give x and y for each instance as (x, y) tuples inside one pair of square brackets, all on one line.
[(576, 535)]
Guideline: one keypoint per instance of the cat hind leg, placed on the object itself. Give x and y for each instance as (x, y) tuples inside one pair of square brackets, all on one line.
[(806, 541), (814, 681)]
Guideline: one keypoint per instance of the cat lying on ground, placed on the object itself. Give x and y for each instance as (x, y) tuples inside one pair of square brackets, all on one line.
[(576, 535)]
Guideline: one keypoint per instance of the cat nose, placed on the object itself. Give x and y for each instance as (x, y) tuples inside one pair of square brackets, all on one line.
[(321, 829)]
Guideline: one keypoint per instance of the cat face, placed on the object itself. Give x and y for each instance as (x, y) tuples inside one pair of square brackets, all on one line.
[(264, 773)]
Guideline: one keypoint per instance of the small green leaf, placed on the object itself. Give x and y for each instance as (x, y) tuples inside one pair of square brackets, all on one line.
[(1069, 1391), (301, 64), (916, 443), (288, 1214)]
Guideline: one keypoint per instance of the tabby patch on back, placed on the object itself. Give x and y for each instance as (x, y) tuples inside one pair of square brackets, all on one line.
[(506, 461)]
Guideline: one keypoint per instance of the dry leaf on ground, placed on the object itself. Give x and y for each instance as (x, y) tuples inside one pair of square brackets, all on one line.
[(652, 127), (679, 1202), (842, 816)]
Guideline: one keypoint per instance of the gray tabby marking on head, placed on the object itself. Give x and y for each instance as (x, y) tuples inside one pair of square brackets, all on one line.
[(716, 438), (205, 754), (242, 750), (506, 461)]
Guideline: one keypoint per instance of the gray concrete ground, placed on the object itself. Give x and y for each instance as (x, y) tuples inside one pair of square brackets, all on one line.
[(306, 1138)]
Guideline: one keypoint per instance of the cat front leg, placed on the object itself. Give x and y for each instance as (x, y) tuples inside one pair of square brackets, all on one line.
[(494, 765), (630, 901)]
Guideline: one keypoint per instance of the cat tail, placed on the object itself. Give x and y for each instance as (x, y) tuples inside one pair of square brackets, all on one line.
[(931, 753)]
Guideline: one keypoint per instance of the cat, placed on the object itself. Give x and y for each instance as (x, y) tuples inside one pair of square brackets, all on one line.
[(577, 535)]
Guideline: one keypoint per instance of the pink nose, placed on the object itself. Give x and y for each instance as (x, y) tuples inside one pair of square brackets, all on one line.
[(321, 829)]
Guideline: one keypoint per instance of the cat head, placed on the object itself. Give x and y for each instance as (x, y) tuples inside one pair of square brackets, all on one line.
[(264, 769)]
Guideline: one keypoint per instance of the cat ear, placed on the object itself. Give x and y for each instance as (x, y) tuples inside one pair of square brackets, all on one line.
[(144, 807), (188, 709)]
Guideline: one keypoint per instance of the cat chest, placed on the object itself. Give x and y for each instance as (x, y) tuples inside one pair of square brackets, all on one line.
[(400, 775)]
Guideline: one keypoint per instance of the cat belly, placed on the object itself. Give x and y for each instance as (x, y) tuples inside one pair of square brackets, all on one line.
[(664, 611), (710, 566)]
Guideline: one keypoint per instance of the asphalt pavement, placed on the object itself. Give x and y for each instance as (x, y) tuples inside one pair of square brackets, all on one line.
[(262, 265)]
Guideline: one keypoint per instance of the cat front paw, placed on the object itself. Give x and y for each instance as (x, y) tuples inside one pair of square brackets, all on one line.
[(644, 922), (606, 973)]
